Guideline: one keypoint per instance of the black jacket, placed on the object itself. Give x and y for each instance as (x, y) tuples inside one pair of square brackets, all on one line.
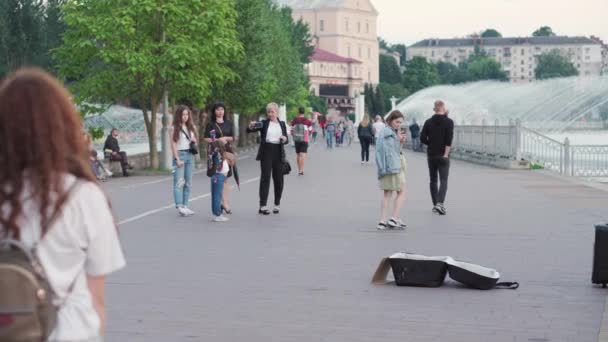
[(415, 130), (263, 131), (365, 132), (111, 144), (437, 133)]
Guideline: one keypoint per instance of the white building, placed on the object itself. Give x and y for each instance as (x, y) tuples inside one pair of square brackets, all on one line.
[(518, 56)]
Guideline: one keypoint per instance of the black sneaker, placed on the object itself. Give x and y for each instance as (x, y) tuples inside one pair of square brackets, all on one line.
[(276, 210), (264, 211), (441, 209), (396, 224)]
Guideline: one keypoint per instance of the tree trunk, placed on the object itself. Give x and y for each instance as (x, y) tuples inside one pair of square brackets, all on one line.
[(243, 123), (151, 130)]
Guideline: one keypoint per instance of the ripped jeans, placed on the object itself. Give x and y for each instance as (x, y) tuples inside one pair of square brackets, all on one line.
[(182, 179)]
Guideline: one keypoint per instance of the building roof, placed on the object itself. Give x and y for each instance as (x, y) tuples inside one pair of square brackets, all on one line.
[(317, 4), (555, 40), (321, 55)]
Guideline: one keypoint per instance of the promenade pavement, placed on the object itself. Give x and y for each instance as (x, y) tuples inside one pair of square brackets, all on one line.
[(304, 275)]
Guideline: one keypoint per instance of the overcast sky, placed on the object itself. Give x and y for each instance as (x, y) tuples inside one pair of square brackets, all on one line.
[(408, 21)]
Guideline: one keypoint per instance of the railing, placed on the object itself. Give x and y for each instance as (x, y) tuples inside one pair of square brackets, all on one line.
[(516, 143)]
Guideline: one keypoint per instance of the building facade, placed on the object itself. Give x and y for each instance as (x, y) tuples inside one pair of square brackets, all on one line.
[(518, 56), (346, 41)]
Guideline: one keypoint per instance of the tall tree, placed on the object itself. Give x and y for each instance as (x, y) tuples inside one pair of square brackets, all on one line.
[(378, 102), (419, 74), (389, 70), (553, 64), (141, 48), (389, 90), (491, 33), (402, 49), (300, 35), (53, 30), (544, 31), (368, 92)]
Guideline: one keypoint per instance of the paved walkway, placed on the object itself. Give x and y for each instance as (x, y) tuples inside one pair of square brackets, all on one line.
[(305, 275)]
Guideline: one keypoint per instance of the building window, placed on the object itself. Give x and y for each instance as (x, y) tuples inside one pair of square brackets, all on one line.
[(522, 70), (523, 77), (587, 58), (369, 76), (346, 24), (360, 54), (367, 27), (358, 27), (522, 62), (348, 50), (369, 52), (523, 52), (322, 25), (432, 53)]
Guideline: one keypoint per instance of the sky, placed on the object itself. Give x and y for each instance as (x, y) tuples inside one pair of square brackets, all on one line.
[(409, 21)]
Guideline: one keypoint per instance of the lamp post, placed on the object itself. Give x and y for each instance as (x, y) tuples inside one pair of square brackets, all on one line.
[(393, 102)]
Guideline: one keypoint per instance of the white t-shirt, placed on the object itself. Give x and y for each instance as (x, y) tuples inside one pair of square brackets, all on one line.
[(183, 143), (82, 241), (274, 133), (225, 168), (377, 126)]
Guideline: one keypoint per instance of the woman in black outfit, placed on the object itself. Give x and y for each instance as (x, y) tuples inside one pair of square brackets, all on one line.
[(273, 134), (221, 129), (366, 136)]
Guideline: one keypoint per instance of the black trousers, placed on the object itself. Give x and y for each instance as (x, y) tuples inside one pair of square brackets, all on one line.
[(439, 169), (365, 143), (271, 166), (122, 158)]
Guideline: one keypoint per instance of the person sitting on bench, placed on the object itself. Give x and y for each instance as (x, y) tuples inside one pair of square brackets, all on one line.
[(113, 152)]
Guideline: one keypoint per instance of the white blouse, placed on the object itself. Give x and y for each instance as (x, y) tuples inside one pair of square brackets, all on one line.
[(183, 143), (274, 133)]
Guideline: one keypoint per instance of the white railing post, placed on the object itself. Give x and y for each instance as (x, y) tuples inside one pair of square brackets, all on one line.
[(567, 162), (518, 144), (483, 136)]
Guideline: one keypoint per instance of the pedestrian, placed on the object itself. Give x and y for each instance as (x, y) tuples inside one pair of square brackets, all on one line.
[(391, 169), (101, 173), (183, 135), (52, 207), (271, 153), (218, 166), (316, 127), (437, 134), (222, 129), (377, 127), (340, 133), (301, 129), (365, 134), (112, 151), (415, 132), (330, 131)]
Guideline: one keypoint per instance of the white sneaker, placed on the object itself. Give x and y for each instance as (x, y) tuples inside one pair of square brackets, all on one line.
[(109, 173), (181, 211), (187, 211), (220, 218)]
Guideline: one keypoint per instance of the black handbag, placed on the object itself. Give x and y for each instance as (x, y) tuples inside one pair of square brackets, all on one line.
[(193, 148), (285, 166)]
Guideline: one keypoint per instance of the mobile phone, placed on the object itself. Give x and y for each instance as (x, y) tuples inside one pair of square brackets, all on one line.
[(258, 124)]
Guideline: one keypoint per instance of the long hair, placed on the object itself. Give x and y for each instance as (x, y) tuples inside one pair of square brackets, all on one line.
[(177, 122), (41, 140), (365, 121)]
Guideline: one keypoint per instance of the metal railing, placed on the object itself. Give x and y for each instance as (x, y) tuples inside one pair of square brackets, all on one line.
[(516, 143)]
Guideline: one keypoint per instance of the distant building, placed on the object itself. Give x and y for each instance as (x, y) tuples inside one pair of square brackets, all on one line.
[(347, 49), (604, 54), (518, 56)]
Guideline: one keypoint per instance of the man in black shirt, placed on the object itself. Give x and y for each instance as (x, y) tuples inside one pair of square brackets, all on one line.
[(112, 150), (437, 133)]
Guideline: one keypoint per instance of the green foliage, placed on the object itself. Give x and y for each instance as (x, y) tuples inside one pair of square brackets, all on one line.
[(318, 104), (553, 64), (389, 90), (478, 67), (139, 49), (389, 70), (419, 74), (300, 35), (544, 31), (402, 49), (491, 33), (21, 34)]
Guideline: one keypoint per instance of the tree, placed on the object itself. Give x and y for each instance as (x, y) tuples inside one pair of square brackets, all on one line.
[(480, 67), (553, 64), (419, 74), (378, 102), (300, 35), (544, 31), (402, 49), (53, 30), (490, 33), (389, 90), (368, 92), (318, 104), (389, 70), (141, 48), (447, 72)]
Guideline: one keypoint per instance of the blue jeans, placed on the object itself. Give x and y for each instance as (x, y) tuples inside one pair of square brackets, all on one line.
[(182, 179), (217, 187), (330, 139)]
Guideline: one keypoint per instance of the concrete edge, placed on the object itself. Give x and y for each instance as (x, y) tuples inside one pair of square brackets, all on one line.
[(603, 335)]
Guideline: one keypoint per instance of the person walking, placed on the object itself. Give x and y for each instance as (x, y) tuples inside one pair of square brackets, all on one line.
[(415, 132), (377, 127), (316, 127), (301, 129), (365, 134), (330, 132), (183, 135), (437, 133), (53, 208), (218, 166), (112, 151), (271, 152), (222, 129), (391, 170)]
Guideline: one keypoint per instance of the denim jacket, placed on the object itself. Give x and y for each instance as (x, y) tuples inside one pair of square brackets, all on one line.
[(388, 152)]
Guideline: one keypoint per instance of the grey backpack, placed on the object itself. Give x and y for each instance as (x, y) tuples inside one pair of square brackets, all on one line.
[(27, 311)]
